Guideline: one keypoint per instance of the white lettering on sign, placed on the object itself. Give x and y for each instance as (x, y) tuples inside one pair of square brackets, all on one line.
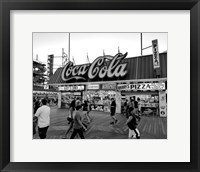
[(61, 88), (71, 88), (97, 69), (93, 87), (69, 72), (123, 87), (142, 86)]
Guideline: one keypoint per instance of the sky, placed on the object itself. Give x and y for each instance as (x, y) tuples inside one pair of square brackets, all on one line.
[(93, 44)]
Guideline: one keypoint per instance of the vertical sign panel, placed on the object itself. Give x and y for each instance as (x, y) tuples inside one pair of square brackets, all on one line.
[(50, 65), (162, 104), (156, 60), (59, 99)]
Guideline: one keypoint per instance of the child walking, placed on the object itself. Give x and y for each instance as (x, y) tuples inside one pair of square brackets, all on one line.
[(132, 124)]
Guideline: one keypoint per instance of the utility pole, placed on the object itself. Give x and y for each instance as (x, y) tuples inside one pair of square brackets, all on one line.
[(62, 56), (103, 53), (142, 46), (69, 48), (141, 42)]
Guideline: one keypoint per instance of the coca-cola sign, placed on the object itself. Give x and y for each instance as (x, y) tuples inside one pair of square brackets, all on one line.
[(114, 68)]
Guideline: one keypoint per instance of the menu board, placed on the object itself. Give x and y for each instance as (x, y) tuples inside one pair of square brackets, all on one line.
[(108, 86)]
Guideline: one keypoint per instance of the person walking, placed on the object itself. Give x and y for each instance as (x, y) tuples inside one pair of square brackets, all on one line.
[(132, 124), (36, 105), (130, 106), (112, 111), (131, 103), (71, 110), (137, 108), (43, 118), (125, 107), (86, 110), (135, 104), (70, 118), (78, 126)]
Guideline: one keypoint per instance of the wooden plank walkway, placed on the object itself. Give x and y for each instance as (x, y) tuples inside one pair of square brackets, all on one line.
[(100, 127)]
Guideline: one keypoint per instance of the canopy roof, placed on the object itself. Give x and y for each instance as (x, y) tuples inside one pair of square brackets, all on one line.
[(138, 68)]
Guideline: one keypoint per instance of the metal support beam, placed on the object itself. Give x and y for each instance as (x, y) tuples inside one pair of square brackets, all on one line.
[(111, 82), (147, 47), (141, 42)]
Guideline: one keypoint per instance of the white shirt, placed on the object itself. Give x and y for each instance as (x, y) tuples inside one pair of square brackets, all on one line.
[(43, 114)]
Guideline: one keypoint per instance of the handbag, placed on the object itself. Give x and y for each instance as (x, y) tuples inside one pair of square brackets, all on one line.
[(69, 119)]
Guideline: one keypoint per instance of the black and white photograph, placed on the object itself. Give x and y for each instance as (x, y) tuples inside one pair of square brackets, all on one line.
[(99, 85), (102, 80)]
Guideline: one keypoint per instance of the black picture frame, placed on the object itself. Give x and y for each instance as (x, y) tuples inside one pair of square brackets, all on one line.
[(7, 5)]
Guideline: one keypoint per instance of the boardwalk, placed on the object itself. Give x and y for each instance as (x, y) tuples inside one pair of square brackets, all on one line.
[(100, 128)]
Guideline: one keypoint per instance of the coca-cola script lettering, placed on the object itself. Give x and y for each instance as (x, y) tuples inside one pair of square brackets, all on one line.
[(115, 68)]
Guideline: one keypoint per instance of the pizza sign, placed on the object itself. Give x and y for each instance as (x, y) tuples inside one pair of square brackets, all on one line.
[(142, 86), (156, 60)]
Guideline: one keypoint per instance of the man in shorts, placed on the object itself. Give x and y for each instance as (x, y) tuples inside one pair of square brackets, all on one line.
[(86, 110), (43, 115), (78, 126)]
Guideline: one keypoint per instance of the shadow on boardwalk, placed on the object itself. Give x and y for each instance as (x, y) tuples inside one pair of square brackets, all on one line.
[(100, 127)]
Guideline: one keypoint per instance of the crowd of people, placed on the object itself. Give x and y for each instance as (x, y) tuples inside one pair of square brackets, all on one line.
[(79, 117), (78, 112)]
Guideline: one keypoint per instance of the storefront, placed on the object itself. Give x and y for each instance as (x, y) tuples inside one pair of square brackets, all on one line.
[(51, 95), (149, 96), (68, 93), (99, 96), (115, 77)]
